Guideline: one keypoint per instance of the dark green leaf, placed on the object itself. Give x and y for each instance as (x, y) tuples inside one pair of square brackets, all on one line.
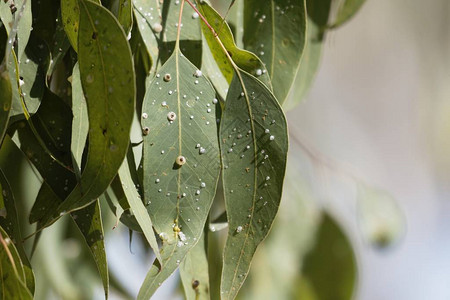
[(89, 222), (194, 272), (330, 268), (276, 32), (245, 60), (254, 144), (125, 15), (9, 221), (106, 68), (5, 101), (319, 11), (70, 14), (12, 275), (180, 161)]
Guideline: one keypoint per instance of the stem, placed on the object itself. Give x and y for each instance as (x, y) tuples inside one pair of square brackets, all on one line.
[(177, 42)]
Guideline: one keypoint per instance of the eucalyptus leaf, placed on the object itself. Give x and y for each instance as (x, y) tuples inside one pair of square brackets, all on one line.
[(28, 77), (254, 145), (11, 269), (21, 20), (180, 161), (70, 14), (330, 268), (80, 123), (245, 60), (106, 67), (89, 221), (9, 221), (347, 9), (125, 15), (155, 22), (309, 67), (194, 272), (276, 31), (5, 101), (137, 207)]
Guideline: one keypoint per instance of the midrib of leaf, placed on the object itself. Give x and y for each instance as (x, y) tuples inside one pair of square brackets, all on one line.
[(255, 177), (106, 93)]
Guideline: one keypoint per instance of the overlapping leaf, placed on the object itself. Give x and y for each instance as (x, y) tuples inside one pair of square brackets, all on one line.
[(156, 22), (80, 123), (330, 269), (276, 31), (247, 61), (254, 144), (9, 221), (180, 161), (106, 68), (12, 273), (346, 11), (194, 272)]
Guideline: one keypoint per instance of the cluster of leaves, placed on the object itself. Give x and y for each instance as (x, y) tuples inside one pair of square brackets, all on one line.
[(74, 75)]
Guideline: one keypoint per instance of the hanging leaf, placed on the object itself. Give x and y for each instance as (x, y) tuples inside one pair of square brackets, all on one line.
[(276, 32), (70, 14), (11, 267), (125, 15), (28, 77), (21, 19), (180, 161), (106, 67), (89, 221), (245, 60), (9, 221), (254, 145), (137, 207), (5, 100), (330, 268), (194, 272), (346, 11), (80, 123), (309, 66), (155, 21)]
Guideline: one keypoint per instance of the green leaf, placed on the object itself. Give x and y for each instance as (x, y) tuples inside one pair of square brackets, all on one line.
[(309, 66), (21, 20), (330, 268), (125, 15), (70, 14), (89, 221), (9, 221), (12, 274), (276, 31), (159, 36), (254, 145), (245, 60), (5, 101), (346, 11), (194, 272), (137, 207), (80, 124), (318, 12), (106, 68), (29, 78), (181, 161)]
